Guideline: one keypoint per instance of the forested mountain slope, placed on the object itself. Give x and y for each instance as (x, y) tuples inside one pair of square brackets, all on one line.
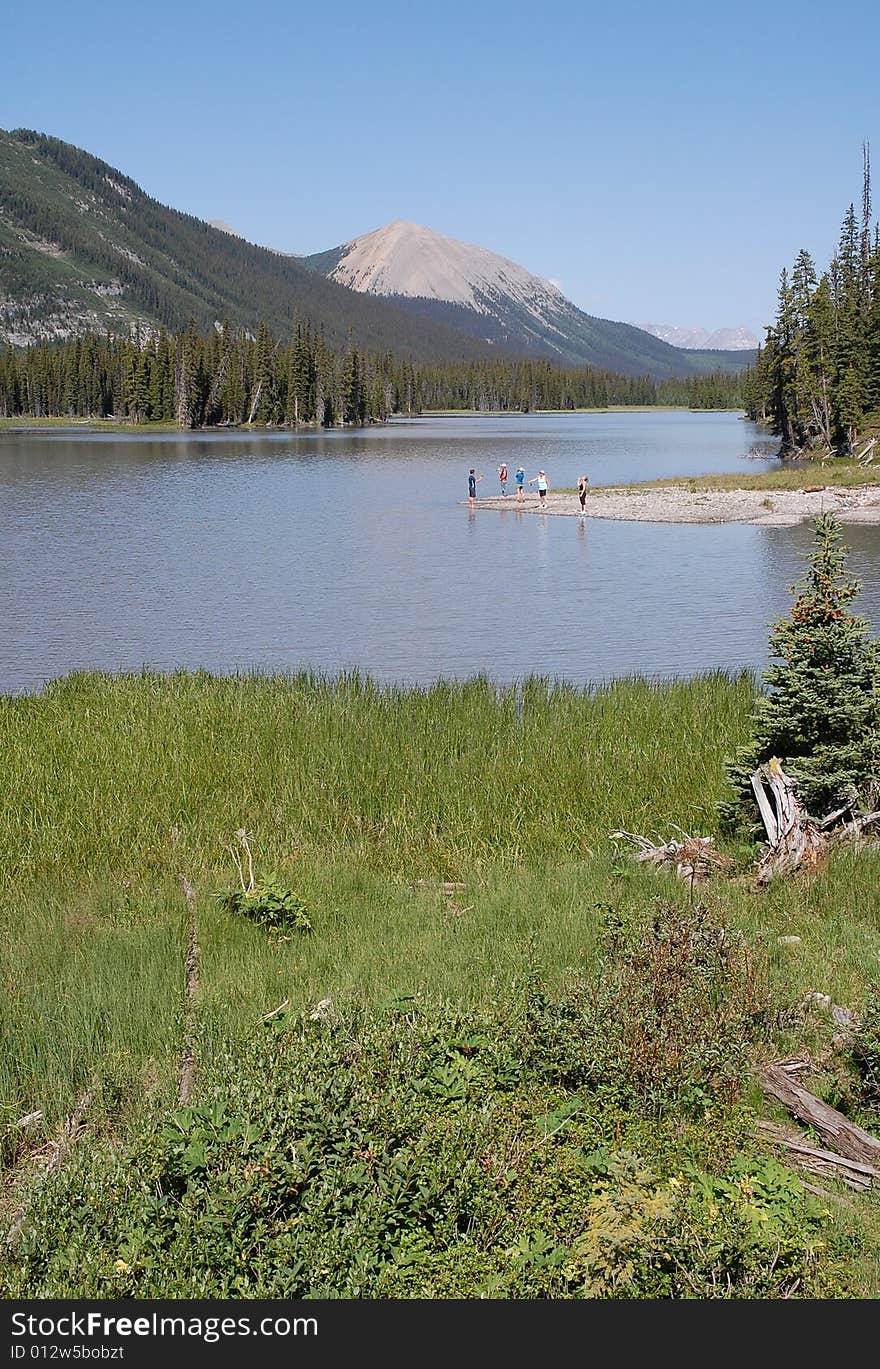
[(84, 249)]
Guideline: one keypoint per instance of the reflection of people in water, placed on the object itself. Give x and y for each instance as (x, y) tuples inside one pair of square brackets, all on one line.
[(583, 486)]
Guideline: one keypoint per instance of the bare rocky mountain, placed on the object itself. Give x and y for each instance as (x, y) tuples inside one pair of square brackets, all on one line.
[(408, 259), (83, 249), (738, 339), (498, 301)]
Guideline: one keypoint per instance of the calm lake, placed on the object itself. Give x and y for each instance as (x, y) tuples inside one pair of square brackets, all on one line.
[(354, 549)]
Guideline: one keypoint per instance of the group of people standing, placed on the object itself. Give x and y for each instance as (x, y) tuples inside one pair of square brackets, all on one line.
[(540, 480)]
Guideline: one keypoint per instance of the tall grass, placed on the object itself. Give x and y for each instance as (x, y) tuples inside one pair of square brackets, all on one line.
[(836, 471), (130, 776)]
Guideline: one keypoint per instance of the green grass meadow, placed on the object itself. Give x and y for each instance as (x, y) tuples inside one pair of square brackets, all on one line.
[(363, 800)]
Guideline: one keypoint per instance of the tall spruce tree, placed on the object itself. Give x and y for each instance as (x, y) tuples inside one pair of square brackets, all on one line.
[(821, 713)]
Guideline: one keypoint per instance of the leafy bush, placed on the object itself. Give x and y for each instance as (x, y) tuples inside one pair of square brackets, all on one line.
[(669, 1024), (270, 904), (865, 1052)]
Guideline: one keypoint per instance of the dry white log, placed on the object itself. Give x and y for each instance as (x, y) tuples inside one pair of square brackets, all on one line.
[(771, 827), (267, 1016), (325, 1012), (28, 1122), (792, 838)]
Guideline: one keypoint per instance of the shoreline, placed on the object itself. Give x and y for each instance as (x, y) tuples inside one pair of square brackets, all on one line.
[(674, 504)]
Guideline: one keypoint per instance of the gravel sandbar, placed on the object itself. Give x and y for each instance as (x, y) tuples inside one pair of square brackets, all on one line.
[(675, 504)]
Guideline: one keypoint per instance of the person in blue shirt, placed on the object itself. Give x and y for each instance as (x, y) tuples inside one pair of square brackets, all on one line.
[(519, 477), (473, 481)]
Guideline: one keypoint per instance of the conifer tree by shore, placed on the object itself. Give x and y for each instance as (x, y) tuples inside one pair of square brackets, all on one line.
[(821, 714)]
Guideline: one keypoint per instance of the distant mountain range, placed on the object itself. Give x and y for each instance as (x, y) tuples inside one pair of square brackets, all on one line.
[(83, 248), (491, 298), (738, 339)]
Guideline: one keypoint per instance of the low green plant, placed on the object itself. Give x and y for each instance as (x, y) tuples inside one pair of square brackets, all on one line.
[(270, 904), (668, 1022), (864, 1052)]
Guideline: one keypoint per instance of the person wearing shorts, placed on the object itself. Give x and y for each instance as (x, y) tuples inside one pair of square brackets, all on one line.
[(543, 486), (473, 481), (583, 486), (519, 477)]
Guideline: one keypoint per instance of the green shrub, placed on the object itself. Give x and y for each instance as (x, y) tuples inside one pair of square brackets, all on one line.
[(270, 904), (668, 1024), (865, 1052), (415, 1153)]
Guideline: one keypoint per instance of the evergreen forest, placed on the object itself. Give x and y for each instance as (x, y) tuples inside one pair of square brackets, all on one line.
[(232, 377), (817, 379)]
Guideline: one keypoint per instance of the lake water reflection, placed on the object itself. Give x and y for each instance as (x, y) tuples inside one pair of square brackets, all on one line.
[(355, 550)]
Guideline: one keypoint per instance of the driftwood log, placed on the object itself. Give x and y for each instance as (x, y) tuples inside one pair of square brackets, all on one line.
[(825, 1162), (693, 858), (842, 1135)]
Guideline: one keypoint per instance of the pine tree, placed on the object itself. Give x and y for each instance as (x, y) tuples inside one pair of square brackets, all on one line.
[(821, 714)]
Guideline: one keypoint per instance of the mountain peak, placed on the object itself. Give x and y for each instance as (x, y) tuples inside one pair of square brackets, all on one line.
[(496, 301), (409, 259)]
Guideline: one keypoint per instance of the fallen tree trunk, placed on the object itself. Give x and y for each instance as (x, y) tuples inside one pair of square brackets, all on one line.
[(842, 1135)]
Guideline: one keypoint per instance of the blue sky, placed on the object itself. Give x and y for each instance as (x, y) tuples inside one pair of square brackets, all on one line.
[(660, 162)]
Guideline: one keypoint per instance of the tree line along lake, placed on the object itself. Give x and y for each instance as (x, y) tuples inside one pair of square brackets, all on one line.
[(355, 550)]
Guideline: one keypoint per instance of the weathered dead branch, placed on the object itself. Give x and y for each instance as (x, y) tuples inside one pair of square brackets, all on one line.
[(826, 1162), (693, 858), (52, 1159), (188, 1053), (325, 1011), (792, 839)]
